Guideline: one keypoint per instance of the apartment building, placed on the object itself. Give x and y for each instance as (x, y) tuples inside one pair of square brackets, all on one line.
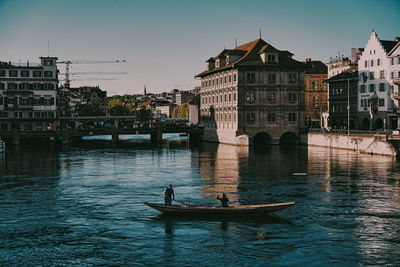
[(28, 95)]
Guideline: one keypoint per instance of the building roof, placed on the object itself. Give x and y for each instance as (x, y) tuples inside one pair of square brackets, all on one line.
[(315, 67), (344, 76), (251, 52), (195, 101), (388, 45), (394, 48)]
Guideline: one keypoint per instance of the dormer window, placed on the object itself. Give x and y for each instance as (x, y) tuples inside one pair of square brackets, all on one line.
[(271, 58), (217, 63)]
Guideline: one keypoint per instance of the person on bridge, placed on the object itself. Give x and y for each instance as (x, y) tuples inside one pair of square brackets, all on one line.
[(169, 195), (224, 200)]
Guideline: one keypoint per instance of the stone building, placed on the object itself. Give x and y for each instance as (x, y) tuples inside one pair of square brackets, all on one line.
[(340, 97), (316, 93), (252, 92), (394, 70), (182, 97), (28, 95), (377, 106)]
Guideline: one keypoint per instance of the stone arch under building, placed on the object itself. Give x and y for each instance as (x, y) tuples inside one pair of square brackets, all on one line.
[(262, 139), (379, 124), (288, 138), (365, 124)]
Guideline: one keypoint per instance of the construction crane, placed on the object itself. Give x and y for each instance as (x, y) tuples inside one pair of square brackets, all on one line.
[(69, 62)]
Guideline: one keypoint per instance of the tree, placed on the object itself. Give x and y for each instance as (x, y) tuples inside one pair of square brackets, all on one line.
[(175, 112), (116, 108), (183, 111)]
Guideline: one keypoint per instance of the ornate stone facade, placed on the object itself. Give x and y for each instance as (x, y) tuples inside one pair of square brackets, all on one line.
[(253, 92)]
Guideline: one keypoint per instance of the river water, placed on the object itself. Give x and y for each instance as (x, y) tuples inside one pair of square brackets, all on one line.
[(83, 205)]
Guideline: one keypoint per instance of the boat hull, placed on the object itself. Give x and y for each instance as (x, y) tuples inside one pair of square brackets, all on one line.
[(248, 210)]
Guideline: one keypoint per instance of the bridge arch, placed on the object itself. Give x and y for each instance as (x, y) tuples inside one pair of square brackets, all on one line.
[(288, 138), (261, 139)]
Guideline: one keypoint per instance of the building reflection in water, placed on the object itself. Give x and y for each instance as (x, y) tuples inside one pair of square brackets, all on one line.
[(220, 169), (36, 161), (247, 175)]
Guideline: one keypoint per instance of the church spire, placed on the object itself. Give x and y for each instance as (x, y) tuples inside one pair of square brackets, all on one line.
[(144, 91)]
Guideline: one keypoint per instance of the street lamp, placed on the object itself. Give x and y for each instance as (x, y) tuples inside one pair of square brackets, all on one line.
[(348, 106)]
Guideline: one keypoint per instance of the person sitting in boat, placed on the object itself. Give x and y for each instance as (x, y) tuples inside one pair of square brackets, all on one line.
[(169, 195), (224, 200)]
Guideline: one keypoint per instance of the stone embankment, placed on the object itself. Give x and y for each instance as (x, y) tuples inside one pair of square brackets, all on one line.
[(371, 144)]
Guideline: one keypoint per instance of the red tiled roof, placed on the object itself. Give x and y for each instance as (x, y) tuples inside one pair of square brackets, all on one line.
[(316, 67), (251, 57)]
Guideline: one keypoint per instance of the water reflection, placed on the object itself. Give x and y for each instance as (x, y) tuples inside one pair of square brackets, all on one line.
[(84, 205), (220, 169)]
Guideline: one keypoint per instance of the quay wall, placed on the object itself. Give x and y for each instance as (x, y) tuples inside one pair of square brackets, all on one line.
[(376, 144)]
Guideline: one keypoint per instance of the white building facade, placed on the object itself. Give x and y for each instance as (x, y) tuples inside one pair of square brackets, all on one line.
[(394, 59), (28, 96), (376, 105)]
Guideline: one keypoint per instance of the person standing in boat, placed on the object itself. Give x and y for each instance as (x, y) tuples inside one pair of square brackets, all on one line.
[(224, 200), (169, 195)]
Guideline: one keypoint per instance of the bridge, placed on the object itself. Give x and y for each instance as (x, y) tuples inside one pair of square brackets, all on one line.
[(69, 129)]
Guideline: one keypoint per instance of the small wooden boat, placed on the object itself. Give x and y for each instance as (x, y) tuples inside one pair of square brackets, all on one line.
[(248, 210)]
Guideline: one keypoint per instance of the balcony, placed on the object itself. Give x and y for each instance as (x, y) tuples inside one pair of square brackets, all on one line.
[(395, 95), (17, 91), (396, 80)]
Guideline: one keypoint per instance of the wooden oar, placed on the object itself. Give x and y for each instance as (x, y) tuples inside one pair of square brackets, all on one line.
[(183, 203)]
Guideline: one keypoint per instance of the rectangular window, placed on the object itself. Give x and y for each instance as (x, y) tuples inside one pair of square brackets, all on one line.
[(271, 57), (362, 88), (234, 96), (372, 62), (13, 73), (366, 64), (392, 75), (2, 73), (251, 77), (292, 78), (25, 73), (37, 73), (271, 116), (271, 77), (250, 97), (48, 74), (392, 61), (292, 117), (372, 88), (12, 86), (371, 75), (48, 62), (271, 98), (292, 98), (381, 102), (382, 74), (381, 87), (234, 77), (378, 62), (2, 86)]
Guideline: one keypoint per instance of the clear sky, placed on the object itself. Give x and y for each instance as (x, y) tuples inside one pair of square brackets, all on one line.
[(165, 43)]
